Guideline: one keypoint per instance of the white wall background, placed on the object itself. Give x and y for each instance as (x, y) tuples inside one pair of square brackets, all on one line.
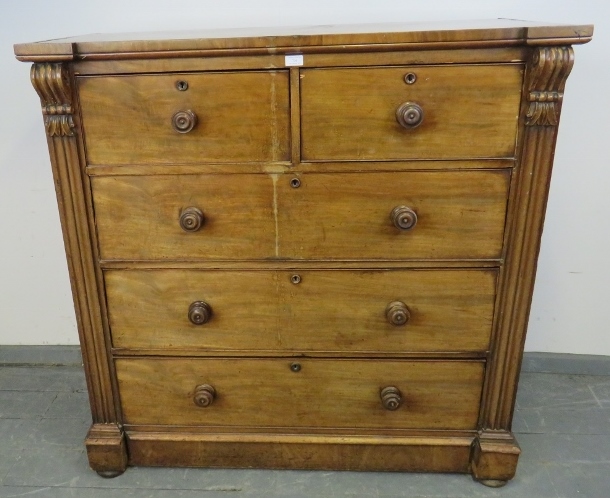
[(569, 313)]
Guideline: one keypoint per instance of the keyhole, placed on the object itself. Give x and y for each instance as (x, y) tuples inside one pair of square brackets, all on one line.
[(410, 78), (182, 85), (295, 183)]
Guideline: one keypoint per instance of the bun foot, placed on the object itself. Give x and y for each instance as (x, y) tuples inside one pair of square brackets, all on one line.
[(108, 474), (493, 483)]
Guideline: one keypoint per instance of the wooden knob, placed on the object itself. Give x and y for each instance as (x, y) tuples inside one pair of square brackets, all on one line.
[(397, 313), (184, 121), (391, 398), (200, 312), (403, 217), (409, 115), (191, 219), (204, 396)]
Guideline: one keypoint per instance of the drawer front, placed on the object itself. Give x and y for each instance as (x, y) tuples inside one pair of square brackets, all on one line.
[(143, 217), (328, 310), (240, 117), (460, 214), (322, 393), (468, 111)]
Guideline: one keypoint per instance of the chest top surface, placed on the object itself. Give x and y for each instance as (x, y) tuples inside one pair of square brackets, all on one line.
[(481, 33)]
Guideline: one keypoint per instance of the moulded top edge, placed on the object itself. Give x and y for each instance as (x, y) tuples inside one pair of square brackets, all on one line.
[(283, 39)]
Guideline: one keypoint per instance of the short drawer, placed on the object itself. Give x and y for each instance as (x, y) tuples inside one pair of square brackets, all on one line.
[(184, 216), (146, 119), (466, 112), (401, 215), (301, 393), (338, 311)]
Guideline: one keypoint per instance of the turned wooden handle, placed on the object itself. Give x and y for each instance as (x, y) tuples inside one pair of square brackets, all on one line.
[(403, 217), (409, 115), (200, 312), (191, 219), (184, 121), (204, 396), (391, 399), (397, 313)]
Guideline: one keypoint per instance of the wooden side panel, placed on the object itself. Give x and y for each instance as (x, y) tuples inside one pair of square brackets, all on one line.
[(137, 217), (347, 215), (322, 393), (469, 111), (327, 311), (241, 117)]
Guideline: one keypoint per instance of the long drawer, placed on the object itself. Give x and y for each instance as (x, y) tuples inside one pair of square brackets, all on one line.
[(312, 310), (402, 215), (304, 393), (448, 112), (186, 118)]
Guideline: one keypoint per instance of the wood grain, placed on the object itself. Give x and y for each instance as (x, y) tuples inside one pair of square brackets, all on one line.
[(347, 216), (469, 111), (324, 393), (327, 311), (138, 216), (242, 117), (287, 167), (353, 38), (321, 59), (415, 454)]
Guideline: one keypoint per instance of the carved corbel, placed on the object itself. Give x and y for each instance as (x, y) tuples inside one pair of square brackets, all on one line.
[(550, 68), (52, 83)]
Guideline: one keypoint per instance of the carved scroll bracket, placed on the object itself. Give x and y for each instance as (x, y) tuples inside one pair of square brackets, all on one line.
[(52, 83), (549, 70)]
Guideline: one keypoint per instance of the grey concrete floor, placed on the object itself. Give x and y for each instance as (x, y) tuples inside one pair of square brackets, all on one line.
[(562, 423)]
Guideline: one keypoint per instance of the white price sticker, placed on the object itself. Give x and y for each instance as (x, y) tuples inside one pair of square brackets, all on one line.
[(294, 60)]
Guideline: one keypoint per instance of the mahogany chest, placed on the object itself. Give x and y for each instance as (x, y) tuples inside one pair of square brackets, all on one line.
[(304, 248)]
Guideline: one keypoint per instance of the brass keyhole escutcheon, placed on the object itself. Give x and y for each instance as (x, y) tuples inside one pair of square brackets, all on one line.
[(182, 85), (295, 279), (295, 183), (410, 78), (295, 367)]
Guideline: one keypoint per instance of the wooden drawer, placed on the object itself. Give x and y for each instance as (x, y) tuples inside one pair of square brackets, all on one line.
[(328, 310), (138, 217), (468, 111), (322, 393), (460, 214), (241, 117)]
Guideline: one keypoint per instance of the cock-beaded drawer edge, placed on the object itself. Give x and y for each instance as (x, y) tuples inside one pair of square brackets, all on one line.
[(490, 452)]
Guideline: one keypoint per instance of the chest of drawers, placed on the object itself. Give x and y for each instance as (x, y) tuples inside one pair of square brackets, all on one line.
[(310, 248)]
